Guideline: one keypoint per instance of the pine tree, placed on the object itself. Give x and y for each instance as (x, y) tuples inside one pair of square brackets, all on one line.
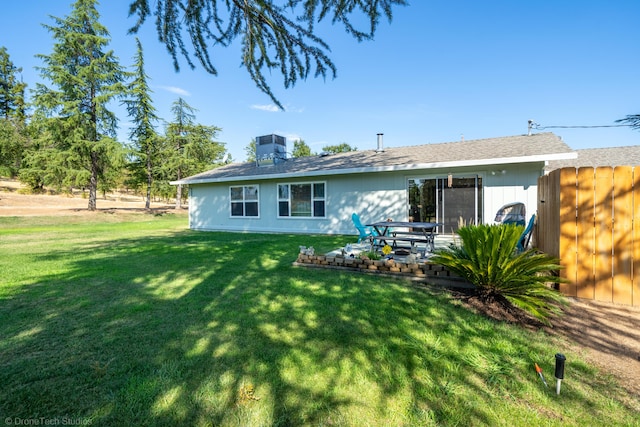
[(13, 135), (189, 148), (274, 35), (176, 140), (84, 79), (12, 103), (143, 135)]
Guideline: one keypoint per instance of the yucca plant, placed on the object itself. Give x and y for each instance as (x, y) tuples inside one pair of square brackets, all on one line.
[(488, 258)]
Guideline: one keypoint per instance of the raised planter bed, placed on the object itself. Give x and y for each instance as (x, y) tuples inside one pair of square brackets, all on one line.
[(423, 271)]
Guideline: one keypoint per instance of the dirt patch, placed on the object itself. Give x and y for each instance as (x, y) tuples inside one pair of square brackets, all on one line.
[(609, 335), (14, 203), (500, 310)]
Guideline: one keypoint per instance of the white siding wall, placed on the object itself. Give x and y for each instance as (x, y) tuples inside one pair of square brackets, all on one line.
[(372, 196), (517, 184), (375, 197)]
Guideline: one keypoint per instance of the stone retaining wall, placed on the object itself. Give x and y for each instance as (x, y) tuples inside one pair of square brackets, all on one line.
[(427, 271)]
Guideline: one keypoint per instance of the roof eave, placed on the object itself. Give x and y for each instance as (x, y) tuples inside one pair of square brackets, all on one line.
[(395, 168)]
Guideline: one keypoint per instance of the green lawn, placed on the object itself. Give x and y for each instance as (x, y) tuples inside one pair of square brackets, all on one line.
[(139, 321)]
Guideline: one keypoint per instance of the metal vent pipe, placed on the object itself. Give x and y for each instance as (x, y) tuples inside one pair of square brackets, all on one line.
[(380, 144)]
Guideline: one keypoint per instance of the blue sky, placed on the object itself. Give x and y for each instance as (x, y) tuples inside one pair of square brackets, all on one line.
[(440, 70)]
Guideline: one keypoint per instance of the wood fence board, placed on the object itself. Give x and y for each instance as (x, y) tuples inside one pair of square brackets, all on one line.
[(585, 233), (622, 235), (603, 234), (636, 236), (565, 228)]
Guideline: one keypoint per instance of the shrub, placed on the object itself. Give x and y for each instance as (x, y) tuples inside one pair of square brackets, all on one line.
[(488, 258), (372, 255)]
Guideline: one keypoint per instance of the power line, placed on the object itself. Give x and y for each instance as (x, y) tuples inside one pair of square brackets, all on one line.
[(538, 127), (533, 125)]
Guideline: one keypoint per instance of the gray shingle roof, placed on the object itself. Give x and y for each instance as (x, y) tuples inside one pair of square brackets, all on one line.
[(594, 157), (509, 149)]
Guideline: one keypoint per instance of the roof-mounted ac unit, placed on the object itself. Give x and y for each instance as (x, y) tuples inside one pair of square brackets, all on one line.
[(270, 150)]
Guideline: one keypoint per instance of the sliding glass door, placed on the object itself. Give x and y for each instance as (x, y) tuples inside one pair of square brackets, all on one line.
[(454, 201)]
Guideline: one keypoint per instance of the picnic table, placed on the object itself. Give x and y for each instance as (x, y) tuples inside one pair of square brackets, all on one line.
[(410, 232)]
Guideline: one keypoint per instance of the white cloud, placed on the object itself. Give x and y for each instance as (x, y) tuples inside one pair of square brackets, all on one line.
[(290, 136), (176, 90), (271, 108), (295, 110)]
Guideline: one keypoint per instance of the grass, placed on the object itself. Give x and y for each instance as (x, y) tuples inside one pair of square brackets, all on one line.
[(140, 321)]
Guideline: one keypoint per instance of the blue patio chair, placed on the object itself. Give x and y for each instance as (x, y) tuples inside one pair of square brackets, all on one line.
[(525, 237), (364, 231)]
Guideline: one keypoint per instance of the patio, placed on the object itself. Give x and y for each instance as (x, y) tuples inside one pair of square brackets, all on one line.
[(415, 266), (440, 241)]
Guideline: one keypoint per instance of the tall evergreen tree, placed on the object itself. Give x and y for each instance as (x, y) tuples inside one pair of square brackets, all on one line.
[(84, 80), (12, 103), (13, 136), (176, 140), (189, 148), (143, 115)]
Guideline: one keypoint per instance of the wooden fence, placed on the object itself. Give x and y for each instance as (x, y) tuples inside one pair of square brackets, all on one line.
[(590, 219)]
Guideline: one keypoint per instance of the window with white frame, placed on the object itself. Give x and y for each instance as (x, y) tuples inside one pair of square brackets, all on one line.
[(244, 201), (302, 200)]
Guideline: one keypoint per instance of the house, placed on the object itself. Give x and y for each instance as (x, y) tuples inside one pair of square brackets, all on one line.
[(452, 183)]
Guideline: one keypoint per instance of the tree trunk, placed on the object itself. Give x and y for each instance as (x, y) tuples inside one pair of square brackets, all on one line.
[(179, 196), (147, 204), (149, 179), (93, 183)]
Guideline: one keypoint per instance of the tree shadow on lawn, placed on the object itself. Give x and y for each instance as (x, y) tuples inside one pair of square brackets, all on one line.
[(216, 328)]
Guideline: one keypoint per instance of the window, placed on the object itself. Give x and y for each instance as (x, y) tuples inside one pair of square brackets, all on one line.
[(301, 200), (451, 200), (244, 201)]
